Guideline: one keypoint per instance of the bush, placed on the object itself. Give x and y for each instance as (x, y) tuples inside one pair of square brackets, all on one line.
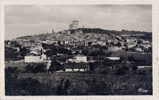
[(10, 78), (35, 68), (11, 54), (122, 68), (121, 71), (10, 70), (78, 88), (25, 86), (30, 86), (101, 70)]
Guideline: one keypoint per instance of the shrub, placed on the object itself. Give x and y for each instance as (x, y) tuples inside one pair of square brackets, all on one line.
[(101, 70), (30, 86), (11, 70), (121, 71), (35, 68)]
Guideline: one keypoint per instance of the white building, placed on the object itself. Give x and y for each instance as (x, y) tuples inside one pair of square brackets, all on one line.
[(78, 59), (139, 49), (114, 58), (35, 58), (74, 24), (32, 59), (81, 58), (131, 42)]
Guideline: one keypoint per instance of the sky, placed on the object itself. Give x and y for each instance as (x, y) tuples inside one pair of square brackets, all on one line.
[(22, 20)]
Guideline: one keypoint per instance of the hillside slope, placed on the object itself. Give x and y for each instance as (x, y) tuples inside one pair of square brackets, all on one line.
[(87, 34)]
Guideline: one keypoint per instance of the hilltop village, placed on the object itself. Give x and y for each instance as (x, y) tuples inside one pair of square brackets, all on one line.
[(80, 43), (79, 60)]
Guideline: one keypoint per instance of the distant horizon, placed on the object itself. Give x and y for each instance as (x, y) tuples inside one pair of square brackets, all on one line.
[(28, 20)]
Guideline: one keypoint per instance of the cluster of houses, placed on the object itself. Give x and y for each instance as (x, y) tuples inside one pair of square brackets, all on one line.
[(76, 63), (139, 45), (37, 50), (114, 43)]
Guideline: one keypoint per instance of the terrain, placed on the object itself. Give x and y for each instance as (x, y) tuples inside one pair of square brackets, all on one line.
[(112, 79), (87, 34), (79, 83)]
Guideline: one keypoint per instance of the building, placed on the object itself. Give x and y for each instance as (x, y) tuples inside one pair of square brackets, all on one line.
[(131, 42), (37, 54), (78, 63), (33, 58), (78, 59), (74, 24), (113, 58)]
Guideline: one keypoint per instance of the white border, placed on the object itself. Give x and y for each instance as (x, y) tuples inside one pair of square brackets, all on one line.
[(155, 30)]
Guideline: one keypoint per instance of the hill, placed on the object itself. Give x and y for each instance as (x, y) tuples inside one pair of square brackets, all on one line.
[(87, 34)]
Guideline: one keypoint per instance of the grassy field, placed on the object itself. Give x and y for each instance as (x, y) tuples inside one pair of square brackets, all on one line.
[(80, 83)]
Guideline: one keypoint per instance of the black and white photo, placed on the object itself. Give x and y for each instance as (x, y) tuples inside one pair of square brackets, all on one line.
[(84, 50)]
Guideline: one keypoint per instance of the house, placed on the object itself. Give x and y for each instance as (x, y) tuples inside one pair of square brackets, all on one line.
[(74, 70), (36, 48), (146, 45), (113, 58), (131, 42), (114, 48), (78, 59), (101, 43), (34, 57), (139, 49), (142, 67), (76, 64), (25, 42), (76, 67)]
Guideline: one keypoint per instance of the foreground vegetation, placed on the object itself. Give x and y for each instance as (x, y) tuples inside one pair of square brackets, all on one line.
[(99, 82)]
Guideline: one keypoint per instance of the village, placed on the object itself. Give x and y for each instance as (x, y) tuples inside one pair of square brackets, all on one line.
[(81, 51), (78, 50)]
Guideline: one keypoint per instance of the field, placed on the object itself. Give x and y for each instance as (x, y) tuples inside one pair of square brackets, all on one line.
[(76, 83)]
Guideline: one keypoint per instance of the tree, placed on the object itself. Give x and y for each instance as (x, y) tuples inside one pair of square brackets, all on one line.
[(24, 51)]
